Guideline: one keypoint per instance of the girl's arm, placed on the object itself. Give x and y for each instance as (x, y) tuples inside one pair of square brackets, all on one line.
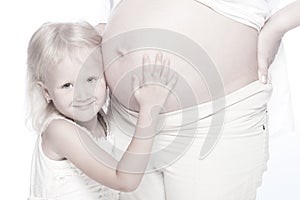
[(66, 139), (270, 36)]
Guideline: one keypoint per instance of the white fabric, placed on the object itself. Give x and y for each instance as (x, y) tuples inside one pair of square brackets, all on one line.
[(281, 119), (253, 13), (233, 169), (61, 180)]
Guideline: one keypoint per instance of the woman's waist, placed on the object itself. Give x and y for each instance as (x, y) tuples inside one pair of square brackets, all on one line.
[(244, 109), (194, 86), (230, 63)]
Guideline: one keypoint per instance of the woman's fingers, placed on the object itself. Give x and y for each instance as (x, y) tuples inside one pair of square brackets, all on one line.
[(262, 69), (267, 48)]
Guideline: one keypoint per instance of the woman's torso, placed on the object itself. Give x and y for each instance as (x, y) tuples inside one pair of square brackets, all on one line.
[(224, 44)]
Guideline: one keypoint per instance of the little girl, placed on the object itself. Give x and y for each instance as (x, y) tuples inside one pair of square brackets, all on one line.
[(67, 91)]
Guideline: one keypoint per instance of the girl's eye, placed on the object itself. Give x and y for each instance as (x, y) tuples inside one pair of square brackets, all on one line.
[(92, 79), (67, 85)]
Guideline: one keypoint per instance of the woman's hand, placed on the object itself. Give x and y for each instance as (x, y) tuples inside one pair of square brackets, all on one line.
[(156, 84), (267, 48), (270, 36)]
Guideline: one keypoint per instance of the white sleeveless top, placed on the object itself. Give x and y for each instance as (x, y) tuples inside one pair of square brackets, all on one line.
[(61, 180), (253, 13)]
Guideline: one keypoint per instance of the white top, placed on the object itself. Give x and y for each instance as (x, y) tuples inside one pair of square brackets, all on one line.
[(61, 180), (253, 13)]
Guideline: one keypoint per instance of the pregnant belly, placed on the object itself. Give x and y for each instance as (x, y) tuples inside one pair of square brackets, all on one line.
[(213, 55)]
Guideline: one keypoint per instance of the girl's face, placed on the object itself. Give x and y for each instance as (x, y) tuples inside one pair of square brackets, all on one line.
[(77, 87)]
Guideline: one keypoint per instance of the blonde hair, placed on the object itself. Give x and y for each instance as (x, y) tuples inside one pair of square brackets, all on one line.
[(51, 43)]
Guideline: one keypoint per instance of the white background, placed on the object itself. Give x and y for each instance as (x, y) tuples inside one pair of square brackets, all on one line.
[(19, 19)]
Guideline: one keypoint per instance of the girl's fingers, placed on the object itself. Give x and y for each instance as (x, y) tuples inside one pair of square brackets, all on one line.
[(146, 67), (161, 72), (165, 71), (158, 65), (135, 83), (173, 80)]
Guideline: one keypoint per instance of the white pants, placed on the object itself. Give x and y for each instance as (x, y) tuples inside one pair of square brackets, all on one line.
[(231, 171)]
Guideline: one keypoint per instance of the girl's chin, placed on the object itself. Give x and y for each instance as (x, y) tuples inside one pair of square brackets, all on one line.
[(83, 116)]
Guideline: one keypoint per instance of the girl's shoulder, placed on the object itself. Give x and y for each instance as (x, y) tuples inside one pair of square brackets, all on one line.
[(55, 122), (57, 134), (62, 135), (61, 129), (58, 123)]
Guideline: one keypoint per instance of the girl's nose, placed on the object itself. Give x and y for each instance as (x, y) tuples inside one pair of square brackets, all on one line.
[(82, 93)]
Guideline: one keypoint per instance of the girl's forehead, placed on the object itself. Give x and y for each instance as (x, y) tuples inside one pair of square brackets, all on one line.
[(85, 55), (72, 67), (82, 57)]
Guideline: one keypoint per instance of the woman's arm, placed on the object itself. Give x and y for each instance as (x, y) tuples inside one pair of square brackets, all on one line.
[(72, 143), (271, 34)]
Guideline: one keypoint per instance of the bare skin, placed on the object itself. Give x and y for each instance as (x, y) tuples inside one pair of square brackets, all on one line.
[(63, 140), (230, 45), (273, 31)]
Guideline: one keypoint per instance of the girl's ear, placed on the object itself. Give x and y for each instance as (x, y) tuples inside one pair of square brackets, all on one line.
[(45, 91)]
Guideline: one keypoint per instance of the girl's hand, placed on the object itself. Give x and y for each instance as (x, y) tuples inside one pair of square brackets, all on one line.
[(268, 44), (157, 82)]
